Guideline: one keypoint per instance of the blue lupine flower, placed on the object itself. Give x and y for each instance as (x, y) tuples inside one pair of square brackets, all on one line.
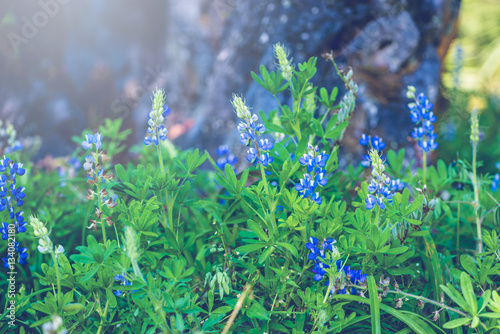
[(316, 253), (92, 139), (377, 143), (364, 140), (124, 282), (11, 195), (374, 142), (315, 175), (225, 157), (421, 115), (249, 130), (396, 185), (5, 231), (22, 253), (495, 182)]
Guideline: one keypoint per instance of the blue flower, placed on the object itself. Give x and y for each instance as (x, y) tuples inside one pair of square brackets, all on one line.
[(364, 140), (495, 182), (265, 144), (21, 252), (377, 143), (225, 157), (421, 114), (316, 175), (317, 253), (92, 139), (252, 154), (396, 185), (5, 231), (124, 282)]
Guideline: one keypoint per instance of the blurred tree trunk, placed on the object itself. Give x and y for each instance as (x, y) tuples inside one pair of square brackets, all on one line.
[(389, 45)]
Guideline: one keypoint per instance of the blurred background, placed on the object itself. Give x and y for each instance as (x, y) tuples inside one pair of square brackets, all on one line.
[(67, 65)]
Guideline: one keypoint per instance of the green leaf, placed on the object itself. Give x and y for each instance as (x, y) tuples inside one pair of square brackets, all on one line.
[(468, 293), (91, 273), (457, 323), (397, 250), (417, 203), (250, 247), (374, 306), (121, 173), (111, 298), (257, 229), (257, 311), (290, 247)]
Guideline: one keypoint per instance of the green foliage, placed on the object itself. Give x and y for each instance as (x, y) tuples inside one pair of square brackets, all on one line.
[(191, 250)]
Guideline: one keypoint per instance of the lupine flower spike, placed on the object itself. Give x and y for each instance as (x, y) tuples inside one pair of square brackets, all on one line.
[(97, 176), (315, 175), (11, 199), (258, 152), (157, 131), (325, 255), (379, 186)]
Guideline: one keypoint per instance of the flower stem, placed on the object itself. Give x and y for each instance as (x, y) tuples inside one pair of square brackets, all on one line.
[(170, 222), (458, 232), (424, 166), (330, 285), (59, 297), (476, 198), (427, 300), (103, 317), (99, 200), (377, 214)]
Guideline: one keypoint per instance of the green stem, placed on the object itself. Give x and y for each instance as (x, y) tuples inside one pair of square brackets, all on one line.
[(170, 222), (117, 236), (103, 317), (330, 284), (427, 300), (476, 198), (458, 232), (99, 201), (424, 163), (377, 214), (58, 277)]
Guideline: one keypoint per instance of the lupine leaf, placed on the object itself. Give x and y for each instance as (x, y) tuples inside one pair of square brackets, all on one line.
[(374, 305)]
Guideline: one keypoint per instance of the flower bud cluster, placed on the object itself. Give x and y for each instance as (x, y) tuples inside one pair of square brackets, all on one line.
[(284, 64), (8, 141), (258, 152), (44, 243), (474, 127), (156, 130), (422, 116)]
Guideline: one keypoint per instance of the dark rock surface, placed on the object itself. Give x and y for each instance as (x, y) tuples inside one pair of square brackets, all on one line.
[(96, 59)]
